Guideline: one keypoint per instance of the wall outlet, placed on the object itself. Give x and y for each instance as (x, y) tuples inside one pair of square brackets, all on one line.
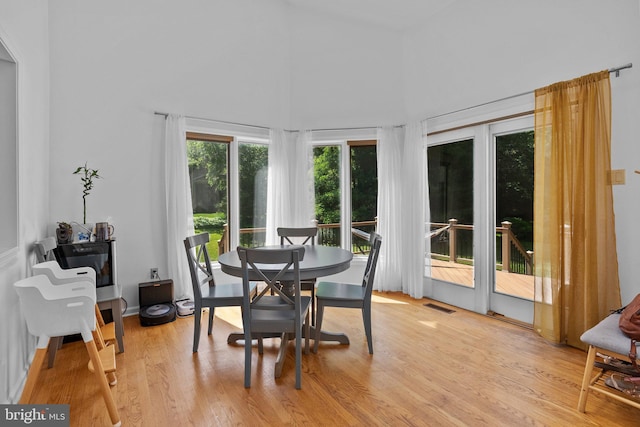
[(153, 273)]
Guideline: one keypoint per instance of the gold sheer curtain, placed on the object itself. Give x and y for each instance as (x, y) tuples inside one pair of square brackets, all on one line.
[(576, 263)]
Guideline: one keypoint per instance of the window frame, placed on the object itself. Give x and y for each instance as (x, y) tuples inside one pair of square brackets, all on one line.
[(345, 139), (234, 135)]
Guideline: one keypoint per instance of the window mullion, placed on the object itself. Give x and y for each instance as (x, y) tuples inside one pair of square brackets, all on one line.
[(234, 195), (345, 195)]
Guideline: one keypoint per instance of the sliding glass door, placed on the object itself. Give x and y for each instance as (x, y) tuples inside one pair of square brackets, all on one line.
[(513, 144), (481, 203), (451, 203)]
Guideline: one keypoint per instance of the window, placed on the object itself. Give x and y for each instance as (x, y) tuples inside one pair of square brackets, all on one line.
[(208, 159), (326, 165), (216, 208), (228, 173), (351, 200), (253, 163), (364, 191)]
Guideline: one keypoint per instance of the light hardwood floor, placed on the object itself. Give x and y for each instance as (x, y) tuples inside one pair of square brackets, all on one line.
[(430, 368), (519, 285)]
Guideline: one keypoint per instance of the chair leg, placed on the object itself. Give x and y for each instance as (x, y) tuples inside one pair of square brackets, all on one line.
[(211, 313), (318, 325), (32, 375), (102, 382), (586, 378), (260, 344), (247, 355), (366, 317), (299, 359), (54, 345), (313, 303), (197, 315), (307, 332)]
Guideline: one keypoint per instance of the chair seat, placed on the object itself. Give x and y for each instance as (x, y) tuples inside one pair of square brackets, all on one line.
[(279, 318), (232, 291), (340, 291), (606, 340), (607, 335)]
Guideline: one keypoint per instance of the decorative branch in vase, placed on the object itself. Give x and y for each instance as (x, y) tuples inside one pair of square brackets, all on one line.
[(87, 175)]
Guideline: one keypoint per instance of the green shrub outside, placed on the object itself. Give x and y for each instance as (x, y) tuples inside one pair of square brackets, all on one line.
[(212, 223)]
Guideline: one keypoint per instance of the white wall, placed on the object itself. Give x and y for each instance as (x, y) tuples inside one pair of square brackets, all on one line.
[(477, 52), (23, 28), (113, 64), (344, 73)]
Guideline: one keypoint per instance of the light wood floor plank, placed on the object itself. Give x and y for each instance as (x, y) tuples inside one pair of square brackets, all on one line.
[(430, 368)]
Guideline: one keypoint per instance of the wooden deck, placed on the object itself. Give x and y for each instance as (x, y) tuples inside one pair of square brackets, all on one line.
[(519, 285)]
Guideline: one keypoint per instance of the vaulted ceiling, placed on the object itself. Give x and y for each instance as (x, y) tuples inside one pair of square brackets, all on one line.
[(398, 15)]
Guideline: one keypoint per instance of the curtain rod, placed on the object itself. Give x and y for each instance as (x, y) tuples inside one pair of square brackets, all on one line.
[(611, 70), (158, 113)]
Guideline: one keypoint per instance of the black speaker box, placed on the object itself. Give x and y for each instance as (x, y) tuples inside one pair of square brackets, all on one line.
[(156, 302)]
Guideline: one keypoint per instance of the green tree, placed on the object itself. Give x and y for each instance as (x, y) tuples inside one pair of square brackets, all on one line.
[(514, 183), (327, 184), (208, 168), (364, 183)]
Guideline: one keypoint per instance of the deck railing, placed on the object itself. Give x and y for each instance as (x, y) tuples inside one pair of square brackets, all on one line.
[(328, 235), (513, 257)]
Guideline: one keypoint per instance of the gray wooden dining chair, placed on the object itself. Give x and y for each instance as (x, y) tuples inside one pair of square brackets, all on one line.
[(333, 294), (302, 236), (284, 313), (206, 293)]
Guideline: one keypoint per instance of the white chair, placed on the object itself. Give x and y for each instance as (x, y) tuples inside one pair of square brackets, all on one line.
[(59, 276), (44, 249), (57, 310)]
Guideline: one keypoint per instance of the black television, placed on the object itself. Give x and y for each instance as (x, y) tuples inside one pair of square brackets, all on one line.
[(98, 255)]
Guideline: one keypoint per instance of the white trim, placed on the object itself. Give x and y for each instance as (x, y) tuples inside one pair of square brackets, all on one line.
[(10, 57), (506, 107), (343, 134), (211, 127)]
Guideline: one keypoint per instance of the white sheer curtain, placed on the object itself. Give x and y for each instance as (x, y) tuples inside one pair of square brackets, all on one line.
[(412, 214), (290, 196), (281, 156), (390, 181), (178, 207), (303, 208)]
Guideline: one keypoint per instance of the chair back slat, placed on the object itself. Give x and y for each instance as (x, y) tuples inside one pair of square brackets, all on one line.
[(199, 263), (297, 235), (254, 262), (372, 261)]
